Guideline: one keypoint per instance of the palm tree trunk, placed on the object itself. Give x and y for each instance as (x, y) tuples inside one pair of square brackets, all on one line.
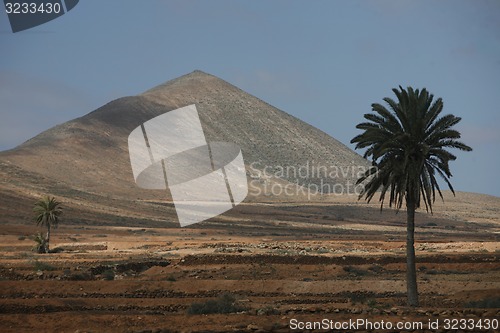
[(48, 238), (411, 271)]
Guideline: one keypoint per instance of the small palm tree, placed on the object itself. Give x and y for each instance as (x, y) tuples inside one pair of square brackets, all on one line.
[(47, 212), (408, 147), (40, 243)]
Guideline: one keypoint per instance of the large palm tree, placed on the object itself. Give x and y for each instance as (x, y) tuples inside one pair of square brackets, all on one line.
[(47, 212), (408, 144)]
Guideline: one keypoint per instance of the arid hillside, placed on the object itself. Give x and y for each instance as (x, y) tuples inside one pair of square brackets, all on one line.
[(86, 163)]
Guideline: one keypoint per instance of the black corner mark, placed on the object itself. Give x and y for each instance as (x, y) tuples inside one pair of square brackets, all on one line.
[(26, 14)]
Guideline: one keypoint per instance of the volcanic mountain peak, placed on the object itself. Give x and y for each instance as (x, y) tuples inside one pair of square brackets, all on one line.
[(196, 76), (90, 154), (197, 87)]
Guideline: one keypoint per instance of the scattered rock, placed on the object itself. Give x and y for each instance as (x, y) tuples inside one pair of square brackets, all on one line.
[(252, 327)]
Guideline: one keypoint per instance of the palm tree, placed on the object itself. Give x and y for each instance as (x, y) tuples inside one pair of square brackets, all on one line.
[(408, 144), (47, 212)]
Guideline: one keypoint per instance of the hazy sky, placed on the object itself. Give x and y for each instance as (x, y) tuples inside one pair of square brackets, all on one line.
[(324, 62)]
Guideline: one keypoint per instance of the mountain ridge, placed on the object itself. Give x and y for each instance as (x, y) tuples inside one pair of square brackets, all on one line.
[(89, 155)]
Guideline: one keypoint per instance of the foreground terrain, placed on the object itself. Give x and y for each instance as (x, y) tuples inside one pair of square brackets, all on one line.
[(130, 279)]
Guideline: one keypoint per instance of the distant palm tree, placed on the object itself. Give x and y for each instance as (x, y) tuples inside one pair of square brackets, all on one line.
[(47, 212), (408, 147)]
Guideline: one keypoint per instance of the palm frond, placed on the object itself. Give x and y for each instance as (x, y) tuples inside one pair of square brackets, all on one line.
[(47, 211), (408, 143)]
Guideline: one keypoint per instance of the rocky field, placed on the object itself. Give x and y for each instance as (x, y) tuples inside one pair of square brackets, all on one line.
[(211, 278)]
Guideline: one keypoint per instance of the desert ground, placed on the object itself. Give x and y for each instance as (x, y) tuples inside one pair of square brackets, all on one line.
[(266, 264)]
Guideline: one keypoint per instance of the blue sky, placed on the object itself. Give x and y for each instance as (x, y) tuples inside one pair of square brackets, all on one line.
[(324, 62)]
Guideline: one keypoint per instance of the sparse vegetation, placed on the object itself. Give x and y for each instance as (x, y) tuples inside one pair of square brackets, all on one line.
[(108, 275), (487, 303), (42, 266), (21, 238), (358, 298), (376, 268), (226, 303), (40, 243), (81, 276), (372, 303), (268, 311), (444, 272), (322, 250), (355, 271)]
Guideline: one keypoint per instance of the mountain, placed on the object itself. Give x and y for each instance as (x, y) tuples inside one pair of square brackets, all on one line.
[(85, 161)]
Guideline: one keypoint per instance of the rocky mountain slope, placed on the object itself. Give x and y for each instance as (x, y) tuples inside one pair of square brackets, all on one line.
[(86, 160)]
